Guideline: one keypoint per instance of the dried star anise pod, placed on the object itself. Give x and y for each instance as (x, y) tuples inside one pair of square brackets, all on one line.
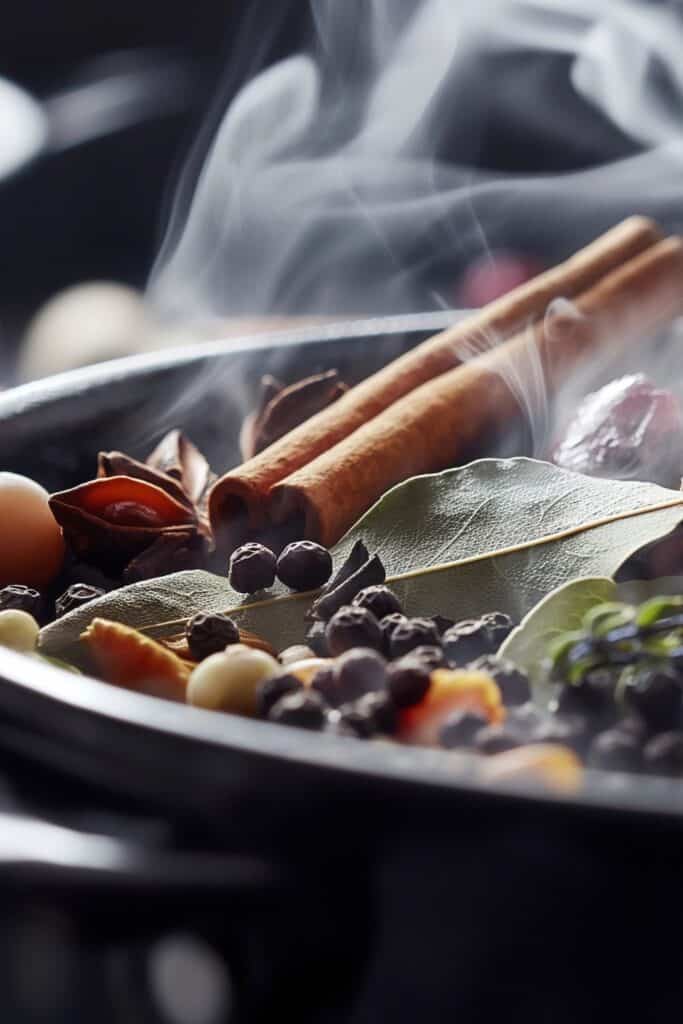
[(141, 519), (281, 408)]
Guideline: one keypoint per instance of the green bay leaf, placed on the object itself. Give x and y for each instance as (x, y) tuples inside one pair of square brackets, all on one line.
[(559, 612), (495, 534)]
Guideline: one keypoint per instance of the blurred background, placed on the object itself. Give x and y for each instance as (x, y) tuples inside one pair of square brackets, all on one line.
[(99, 108)]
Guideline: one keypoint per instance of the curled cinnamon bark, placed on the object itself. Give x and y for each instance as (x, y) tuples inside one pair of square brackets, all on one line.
[(239, 501)]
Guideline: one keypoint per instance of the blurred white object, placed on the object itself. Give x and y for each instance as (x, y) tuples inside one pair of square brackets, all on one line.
[(23, 128), (87, 324), (98, 320), (106, 95)]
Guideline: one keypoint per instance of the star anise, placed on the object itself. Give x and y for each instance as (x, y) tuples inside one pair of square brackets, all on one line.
[(140, 519)]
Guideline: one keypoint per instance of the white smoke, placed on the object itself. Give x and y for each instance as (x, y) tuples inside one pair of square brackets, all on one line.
[(363, 177)]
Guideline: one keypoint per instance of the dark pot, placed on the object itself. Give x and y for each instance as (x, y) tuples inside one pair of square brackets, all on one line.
[(395, 890)]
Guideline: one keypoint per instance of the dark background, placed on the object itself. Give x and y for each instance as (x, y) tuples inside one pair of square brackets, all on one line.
[(97, 209)]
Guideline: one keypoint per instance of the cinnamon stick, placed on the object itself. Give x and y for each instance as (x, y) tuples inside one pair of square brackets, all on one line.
[(440, 422), (238, 502)]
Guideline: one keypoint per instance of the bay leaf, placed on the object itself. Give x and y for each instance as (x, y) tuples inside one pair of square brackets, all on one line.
[(561, 610), (497, 534)]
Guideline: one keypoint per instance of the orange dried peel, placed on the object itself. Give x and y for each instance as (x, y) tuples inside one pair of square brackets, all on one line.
[(450, 690), (125, 657)]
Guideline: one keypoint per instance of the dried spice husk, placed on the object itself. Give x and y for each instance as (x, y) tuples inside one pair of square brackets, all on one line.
[(126, 657), (176, 457), (281, 408), (176, 465), (270, 386), (118, 464), (357, 557), (141, 519), (110, 520), (370, 574)]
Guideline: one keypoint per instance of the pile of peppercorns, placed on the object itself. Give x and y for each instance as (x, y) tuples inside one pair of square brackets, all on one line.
[(362, 661), (619, 683), (364, 665)]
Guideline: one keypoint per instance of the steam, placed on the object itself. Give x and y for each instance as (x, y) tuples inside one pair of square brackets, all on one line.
[(416, 138), (363, 177)]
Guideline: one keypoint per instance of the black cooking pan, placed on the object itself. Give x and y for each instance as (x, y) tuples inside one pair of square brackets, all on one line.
[(463, 899)]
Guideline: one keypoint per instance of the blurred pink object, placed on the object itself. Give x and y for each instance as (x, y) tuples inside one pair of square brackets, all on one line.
[(628, 429), (493, 275)]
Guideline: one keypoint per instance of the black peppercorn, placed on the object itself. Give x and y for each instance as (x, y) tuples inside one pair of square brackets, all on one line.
[(593, 695), (17, 597), (569, 730), (663, 754), (77, 595), (407, 682), (460, 729), (359, 670), (429, 655), (315, 638), (271, 690), (388, 624), (304, 709), (499, 626), (380, 708), (352, 627), (210, 633), (252, 568), (412, 633), (304, 565), (441, 623), (326, 683), (512, 682), (615, 750), (654, 694), (379, 600), (359, 723), (466, 641), (495, 739), (635, 727)]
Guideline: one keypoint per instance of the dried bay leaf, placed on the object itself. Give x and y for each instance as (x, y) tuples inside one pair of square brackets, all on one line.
[(496, 534)]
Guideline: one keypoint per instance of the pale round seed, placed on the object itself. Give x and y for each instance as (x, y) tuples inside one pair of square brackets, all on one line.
[(18, 630), (228, 681)]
